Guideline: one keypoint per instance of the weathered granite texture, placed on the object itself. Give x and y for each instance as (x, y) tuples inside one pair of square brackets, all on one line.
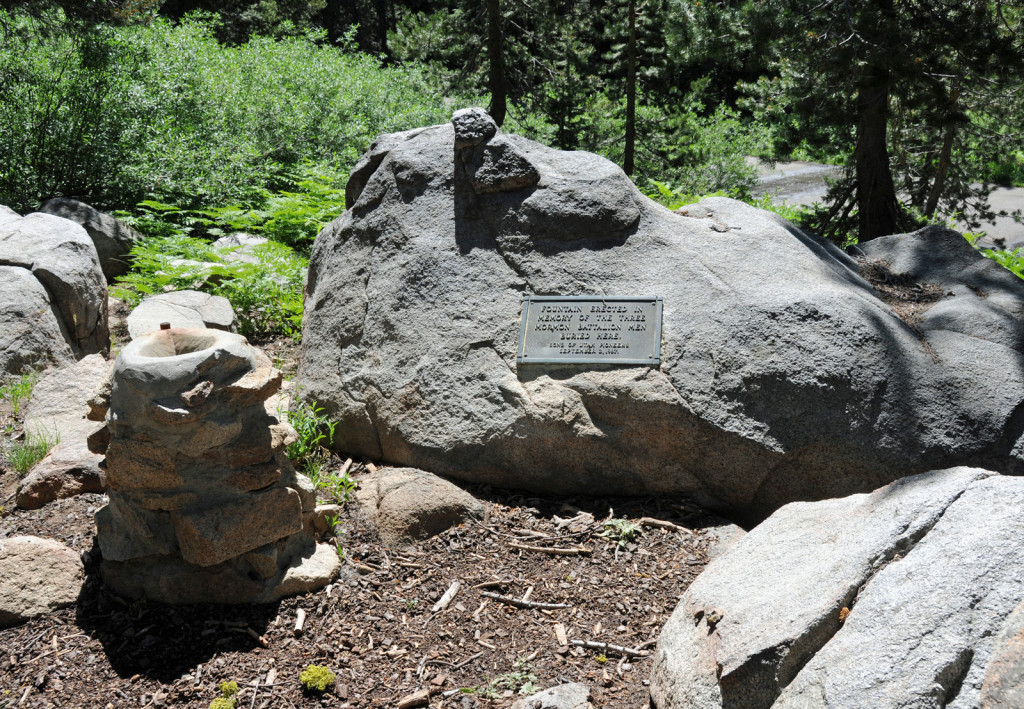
[(783, 375), (891, 599)]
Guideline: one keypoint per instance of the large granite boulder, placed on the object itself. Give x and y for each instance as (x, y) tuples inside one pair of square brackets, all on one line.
[(31, 329), (888, 599), (204, 505), (113, 238), (61, 258), (783, 375)]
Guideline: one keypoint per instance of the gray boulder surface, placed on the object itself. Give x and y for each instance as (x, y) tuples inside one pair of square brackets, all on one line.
[(783, 375), (113, 238), (37, 576), (182, 309), (7, 214), (889, 599), (980, 298), (31, 332), (409, 505), (59, 410), (1003, 687), (62, 257), (564, 696)]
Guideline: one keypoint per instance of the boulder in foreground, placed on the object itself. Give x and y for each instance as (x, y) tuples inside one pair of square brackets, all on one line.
[(890, 599)]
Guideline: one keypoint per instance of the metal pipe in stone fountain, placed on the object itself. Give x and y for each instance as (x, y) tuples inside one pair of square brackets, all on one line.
[(204, 505)]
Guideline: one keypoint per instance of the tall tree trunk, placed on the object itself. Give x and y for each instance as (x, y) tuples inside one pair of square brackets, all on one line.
[(496, 55), (628, 154), (945, 157), (878, 209), (382, 27)]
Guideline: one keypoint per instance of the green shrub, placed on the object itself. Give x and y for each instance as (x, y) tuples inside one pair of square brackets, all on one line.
[(266, 295), (163, 111), (1012, 260), (316, 678)]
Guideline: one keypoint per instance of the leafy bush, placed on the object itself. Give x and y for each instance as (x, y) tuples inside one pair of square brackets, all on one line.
[(266, 295), (1012, 260), (163, 111)]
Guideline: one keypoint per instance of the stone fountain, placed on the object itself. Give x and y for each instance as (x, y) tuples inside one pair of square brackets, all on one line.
[(204, 505)]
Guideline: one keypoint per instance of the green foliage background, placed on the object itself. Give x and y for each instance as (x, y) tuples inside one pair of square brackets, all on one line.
[(114, 115)]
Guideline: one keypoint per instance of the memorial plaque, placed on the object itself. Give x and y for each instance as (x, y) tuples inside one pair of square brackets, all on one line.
[(583, 329)]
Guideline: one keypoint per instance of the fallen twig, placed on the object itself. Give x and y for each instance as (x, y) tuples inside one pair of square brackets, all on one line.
[(520, 603), (417, 699), (608, 647), (662, 524), (558, 551), (447, 598)]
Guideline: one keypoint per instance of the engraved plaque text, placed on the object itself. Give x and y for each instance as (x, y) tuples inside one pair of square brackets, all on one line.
[(590, 330)]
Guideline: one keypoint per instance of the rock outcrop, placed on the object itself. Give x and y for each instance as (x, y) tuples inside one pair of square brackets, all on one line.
[(113, 238), (182, 309), (204, 504), (890, 599), (68, 296), (783, 375), (37, 576)]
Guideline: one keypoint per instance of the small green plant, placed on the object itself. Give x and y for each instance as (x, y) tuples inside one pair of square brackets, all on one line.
[(316, 678), (335, 487), (227, 698), (621, 531), (22, 455), (602, 658), (315, 432), (522, 680), (19, 391)]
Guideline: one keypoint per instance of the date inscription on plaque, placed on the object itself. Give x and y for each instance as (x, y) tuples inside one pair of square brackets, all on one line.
[(583, 329)]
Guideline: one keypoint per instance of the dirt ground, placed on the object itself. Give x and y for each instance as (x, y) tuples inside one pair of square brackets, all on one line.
[(374, 627)]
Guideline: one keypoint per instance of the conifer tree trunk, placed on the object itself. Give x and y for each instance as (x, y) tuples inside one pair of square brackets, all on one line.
[(628, 154), (876, 195), (496, 55)]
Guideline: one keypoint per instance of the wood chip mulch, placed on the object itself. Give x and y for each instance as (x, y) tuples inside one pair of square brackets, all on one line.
[(542, 599)]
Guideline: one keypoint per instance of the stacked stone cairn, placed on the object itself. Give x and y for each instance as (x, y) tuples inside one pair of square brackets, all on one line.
[(204, 505)]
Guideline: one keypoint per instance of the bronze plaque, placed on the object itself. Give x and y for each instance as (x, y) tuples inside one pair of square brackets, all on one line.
[(583, 329)]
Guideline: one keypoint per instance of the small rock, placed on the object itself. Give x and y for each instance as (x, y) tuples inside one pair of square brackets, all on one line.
[(472, 127), (411, 504), (70, 469), (37, 576), (564, 696)]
